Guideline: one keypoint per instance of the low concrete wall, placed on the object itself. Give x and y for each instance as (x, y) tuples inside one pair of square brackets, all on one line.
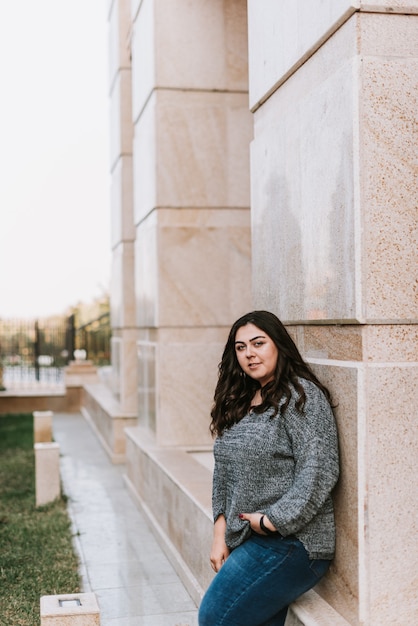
[(101, 409), (173, 490), (27, 401)]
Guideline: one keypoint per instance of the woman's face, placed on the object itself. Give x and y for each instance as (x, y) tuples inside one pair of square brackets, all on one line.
[(257, 354)]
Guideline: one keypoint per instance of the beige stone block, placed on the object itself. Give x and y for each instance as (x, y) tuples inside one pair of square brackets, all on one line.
[(340, 343), (47, 472), (79, 372), (42, 426), (145, 162), (390, 452), (390, 343), (146, 272), (121, 127), (283, 35), (311, 610), (122, 296), (115, 349), (406, 7), (122, 221), (143, 46), (352, 238), (372, 577), (185, 45), (128, 372), (388, 35), (178, 411), (388, 169), (186, 374), (79, 609), (203, 264), (340, 587), (135, 4), (147, 374), (191, 150), (369, 343), (205, 259), (202, 45), (305, 202), (203, 146), (119, 26), (183, 416)]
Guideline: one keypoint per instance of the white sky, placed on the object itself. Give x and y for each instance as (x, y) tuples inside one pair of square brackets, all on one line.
[(54, 155)]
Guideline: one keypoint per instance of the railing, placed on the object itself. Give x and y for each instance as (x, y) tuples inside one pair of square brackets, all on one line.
[(28, 377), (94, 338), (35, 352)]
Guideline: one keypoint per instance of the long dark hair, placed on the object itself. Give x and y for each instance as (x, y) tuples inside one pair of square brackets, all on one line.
[(235, 390)]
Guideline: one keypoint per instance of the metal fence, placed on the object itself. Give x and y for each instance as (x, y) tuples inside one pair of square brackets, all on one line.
[(35, 352), (94, 338)]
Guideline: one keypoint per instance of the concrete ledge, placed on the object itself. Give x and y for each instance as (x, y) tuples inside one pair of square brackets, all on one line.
[(79, 609), (312, 610), (173, 490), (102, 410)]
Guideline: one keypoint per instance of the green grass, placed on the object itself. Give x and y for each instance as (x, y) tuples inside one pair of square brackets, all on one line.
[(37, 557)]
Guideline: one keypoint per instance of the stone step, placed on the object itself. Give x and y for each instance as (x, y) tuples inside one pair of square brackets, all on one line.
[(312, 610)]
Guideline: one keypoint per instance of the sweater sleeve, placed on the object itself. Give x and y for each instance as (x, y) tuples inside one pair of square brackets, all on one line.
[(313, 436), (218, 492)]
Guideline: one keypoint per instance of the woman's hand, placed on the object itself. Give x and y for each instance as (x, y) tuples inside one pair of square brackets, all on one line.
[(254, 519), (220, 551)]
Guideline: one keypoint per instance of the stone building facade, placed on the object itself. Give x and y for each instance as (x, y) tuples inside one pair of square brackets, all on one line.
[(263, 156)]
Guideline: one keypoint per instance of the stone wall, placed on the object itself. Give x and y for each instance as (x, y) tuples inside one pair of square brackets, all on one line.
[(333, 173), (320, 145)]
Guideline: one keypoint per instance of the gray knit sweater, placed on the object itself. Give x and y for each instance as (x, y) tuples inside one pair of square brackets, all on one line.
[(282, 466)]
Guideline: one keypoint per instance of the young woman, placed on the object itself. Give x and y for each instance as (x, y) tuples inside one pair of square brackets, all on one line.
[(276, 463)]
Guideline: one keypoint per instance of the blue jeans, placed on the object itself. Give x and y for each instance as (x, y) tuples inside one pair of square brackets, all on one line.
[(258, 581)]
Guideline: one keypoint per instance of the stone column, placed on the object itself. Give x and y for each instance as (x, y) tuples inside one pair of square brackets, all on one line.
[(333, 88), (124, 334), (42, 426), (191, 204), (47, 472)]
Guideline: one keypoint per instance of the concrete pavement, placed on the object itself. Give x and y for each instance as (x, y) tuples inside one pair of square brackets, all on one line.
[(121, 561)]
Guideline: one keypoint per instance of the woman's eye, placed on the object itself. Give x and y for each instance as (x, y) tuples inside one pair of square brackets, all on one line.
[(239, 348)]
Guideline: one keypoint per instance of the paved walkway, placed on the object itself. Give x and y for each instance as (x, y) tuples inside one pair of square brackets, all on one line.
[(121, 562)]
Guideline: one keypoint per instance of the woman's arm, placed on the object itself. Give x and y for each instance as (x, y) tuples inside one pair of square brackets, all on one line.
[(315, 450), (220, 551)]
